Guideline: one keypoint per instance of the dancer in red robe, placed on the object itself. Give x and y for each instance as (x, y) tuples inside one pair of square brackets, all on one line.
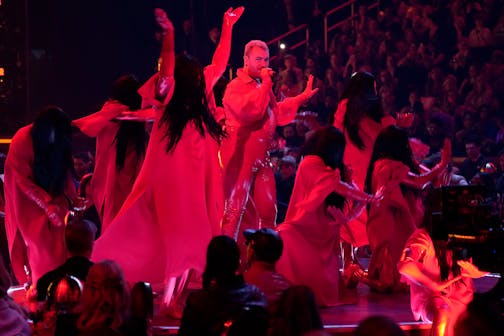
[(39, 191), (173, 211), (120, 148)]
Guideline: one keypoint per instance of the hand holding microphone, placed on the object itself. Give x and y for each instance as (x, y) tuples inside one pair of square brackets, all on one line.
[(266, 74)]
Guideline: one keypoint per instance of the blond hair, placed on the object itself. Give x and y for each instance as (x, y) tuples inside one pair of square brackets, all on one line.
[(105, 298), (255, 43)]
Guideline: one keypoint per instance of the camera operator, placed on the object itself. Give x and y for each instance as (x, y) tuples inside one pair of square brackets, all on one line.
[(440, 284)]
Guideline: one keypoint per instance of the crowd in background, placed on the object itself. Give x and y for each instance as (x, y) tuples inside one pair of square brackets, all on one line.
[(442, 61)]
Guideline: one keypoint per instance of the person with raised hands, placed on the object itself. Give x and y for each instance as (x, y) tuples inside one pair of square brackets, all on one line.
[(174, 208), (251, 116)]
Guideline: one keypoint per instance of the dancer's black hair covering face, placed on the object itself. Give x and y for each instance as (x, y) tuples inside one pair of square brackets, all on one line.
[(189, 104)]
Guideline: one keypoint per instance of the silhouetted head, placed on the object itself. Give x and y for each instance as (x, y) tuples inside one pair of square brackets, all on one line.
[(297, 312), (378, 326), (222, 261), (79, 237), (266, 244), (361, 83), (105, 298)]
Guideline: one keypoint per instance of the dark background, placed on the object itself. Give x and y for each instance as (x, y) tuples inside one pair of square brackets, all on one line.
[(68, 53)]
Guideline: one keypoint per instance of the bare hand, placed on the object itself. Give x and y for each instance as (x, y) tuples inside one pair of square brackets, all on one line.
[(231, 16), (467, 269), (162, 20), (309, 91), (266, 74)]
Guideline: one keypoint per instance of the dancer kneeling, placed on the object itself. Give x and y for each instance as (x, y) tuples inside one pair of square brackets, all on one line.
[(320, 203)]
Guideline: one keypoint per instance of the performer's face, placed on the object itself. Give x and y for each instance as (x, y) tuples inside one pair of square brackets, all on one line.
[(257, 59)]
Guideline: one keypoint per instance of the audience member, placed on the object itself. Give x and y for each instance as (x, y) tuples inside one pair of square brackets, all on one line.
[(13, 320), (378, 325), (474, 161), (264, 249), (79, 239), (212, 309), (297, 313), (284, 178), (105, 303)]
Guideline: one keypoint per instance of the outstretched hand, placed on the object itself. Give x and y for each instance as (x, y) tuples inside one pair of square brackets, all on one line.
[(309, 91), (467, 269), (231, 16), (163, 20)]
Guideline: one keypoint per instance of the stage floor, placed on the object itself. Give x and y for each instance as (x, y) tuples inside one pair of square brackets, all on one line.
[(358, 305)]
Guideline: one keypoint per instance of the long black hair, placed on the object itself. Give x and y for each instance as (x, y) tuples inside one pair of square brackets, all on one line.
[(222, 261), (362, 101), (328, 143), (188, 104), (52, 148), (130, 133), (392, 143)]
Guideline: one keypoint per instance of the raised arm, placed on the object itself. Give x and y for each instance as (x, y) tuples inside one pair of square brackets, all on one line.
[(167, 63), (157, 91), (93, 124), (418, 181), (288, 108), (221, 55)]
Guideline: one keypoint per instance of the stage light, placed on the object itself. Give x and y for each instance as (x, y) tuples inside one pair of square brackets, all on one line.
[(282, 46), (2, 71)]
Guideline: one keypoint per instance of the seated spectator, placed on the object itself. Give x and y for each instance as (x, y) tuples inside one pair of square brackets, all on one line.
[(291, 137), (482, 317), (79, 239), (480, 36), (13, 321), (290, 80), (264, 249), (251, 321), (88, 210), (297, 313), (105, 301), (474, 161), (211, 310), (378, 325), (284, 178), (83, 164)]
